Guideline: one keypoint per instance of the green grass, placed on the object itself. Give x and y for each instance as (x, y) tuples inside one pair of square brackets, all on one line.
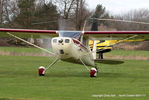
[(112, 53), (66, 81), (20, 49)]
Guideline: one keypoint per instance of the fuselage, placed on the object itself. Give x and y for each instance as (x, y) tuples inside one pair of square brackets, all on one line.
[(72, 50)]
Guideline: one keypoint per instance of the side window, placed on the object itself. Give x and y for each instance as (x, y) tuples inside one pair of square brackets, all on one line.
[(54, 40), (67, 40)]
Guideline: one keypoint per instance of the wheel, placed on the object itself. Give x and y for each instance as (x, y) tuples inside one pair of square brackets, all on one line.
[(93, 72), (41, 71)]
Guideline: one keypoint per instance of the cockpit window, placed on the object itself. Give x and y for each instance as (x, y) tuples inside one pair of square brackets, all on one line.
[(54, 40), (76, 35), (67, 40)]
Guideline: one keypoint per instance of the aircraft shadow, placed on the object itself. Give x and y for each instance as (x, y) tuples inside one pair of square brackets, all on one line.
[(113, 62)]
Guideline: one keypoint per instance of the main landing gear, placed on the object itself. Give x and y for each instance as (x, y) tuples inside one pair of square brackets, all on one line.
[(42, 70), (93, 72)]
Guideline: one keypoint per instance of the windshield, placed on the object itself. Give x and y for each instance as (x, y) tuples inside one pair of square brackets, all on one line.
[(76, 35)]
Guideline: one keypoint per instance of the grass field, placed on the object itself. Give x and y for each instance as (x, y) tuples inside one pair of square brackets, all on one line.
[(19, 49), (65, 81)]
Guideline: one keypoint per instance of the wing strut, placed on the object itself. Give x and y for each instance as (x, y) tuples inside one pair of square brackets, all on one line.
[(122, 40), (30, 43), (84, 64), (94, 49), (93, 52), (57, 59)]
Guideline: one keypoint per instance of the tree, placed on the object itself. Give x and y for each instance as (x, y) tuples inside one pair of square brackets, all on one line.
[(8, 9), (81, 14), (46, 17), (26, 13), (100, 13), (65, 7), (73, 12), (140, 15), (1, 10)]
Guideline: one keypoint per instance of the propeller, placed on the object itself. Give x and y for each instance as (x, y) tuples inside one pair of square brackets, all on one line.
[(43, 22), (118, 20)]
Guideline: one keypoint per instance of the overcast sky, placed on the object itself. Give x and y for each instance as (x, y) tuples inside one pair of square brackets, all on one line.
[(119, 6)]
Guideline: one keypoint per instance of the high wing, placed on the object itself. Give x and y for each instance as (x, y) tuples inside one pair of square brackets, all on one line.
[(28, 33), (116, 35), (94, 35)]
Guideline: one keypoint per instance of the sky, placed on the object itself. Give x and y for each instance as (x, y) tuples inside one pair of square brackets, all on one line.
[(119, 6)]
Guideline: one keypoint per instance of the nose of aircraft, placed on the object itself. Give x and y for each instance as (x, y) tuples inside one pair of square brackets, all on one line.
[(61, 45)]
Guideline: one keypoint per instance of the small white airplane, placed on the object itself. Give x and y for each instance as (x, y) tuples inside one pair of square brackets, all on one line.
[(72, 46)]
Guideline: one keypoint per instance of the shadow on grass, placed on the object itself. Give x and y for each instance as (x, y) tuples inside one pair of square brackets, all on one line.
[(113, 62), (5, 99)]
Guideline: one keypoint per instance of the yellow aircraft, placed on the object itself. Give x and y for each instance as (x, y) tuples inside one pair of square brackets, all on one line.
[(103, 46)]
